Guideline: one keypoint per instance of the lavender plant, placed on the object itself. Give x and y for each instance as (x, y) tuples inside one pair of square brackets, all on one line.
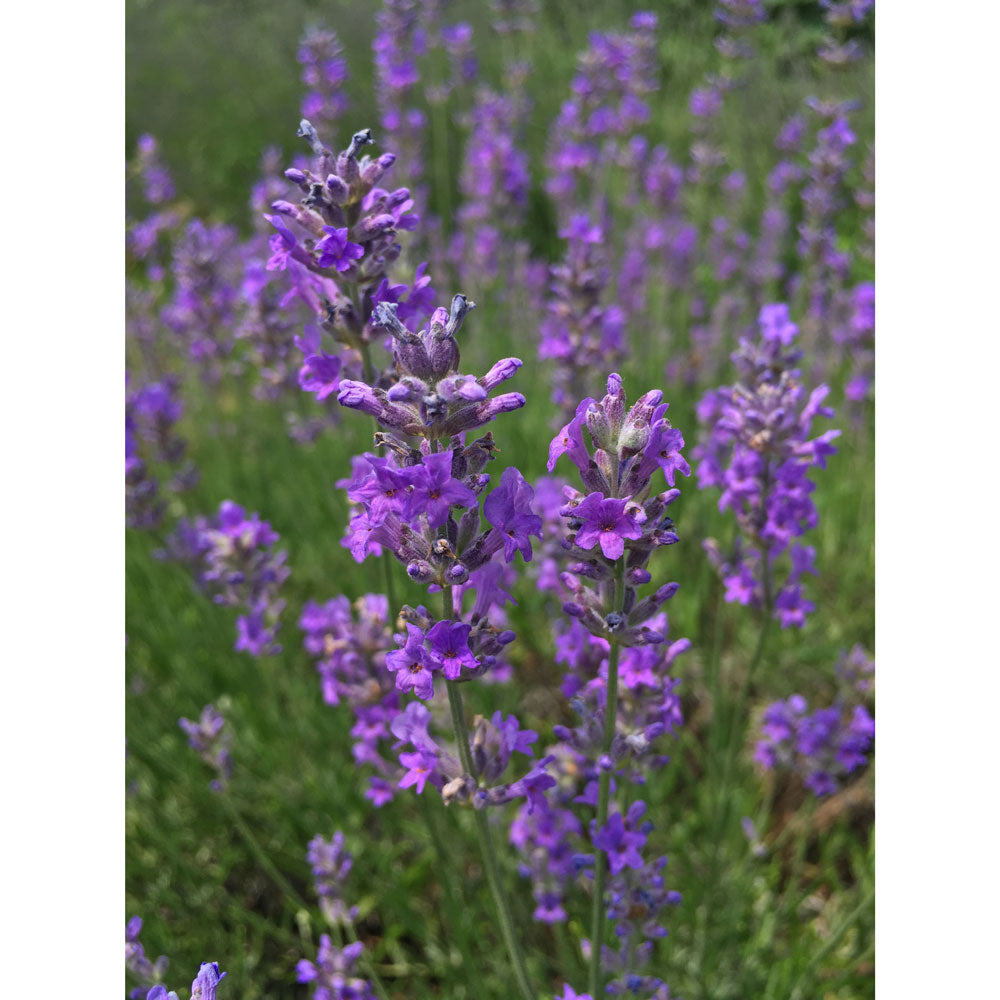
[(152, 443), (666, 256), (613, 531), (825, 746), (211, 740), (232, 558), (756, 449), (407, 506)]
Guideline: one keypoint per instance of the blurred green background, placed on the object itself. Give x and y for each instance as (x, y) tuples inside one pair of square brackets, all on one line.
[(217, 83)]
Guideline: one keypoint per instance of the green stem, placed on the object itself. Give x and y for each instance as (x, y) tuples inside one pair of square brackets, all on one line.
[(603, 794), (835, 937), (722, 799), (483, 828), (269, 866), (262, 857), (460, 926)]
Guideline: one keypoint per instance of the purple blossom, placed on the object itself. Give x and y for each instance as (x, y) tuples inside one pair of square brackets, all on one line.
[(508, 510), (604, 520), (412, 665), (449, 643), (207, 981), (336, 250), (619, 843), (435, 491), (420, 766), (320, 373), (212, 741), (332, 972), (232, 558)]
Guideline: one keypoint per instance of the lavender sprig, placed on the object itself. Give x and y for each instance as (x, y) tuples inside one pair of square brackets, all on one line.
[(232, 558), (757, 450), (212, 741), (406, 504), (613, 530)]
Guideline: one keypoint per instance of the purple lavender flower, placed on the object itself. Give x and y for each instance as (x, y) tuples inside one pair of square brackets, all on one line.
[(412, 665), (823, 747), (621, 844), (336, 250), (450, 648), (606, 521), (152, 444), (232, 558), (320, 373), (324, 73), (494, 183), (332, 972), (435, 490), (331, 863), (399, 40), (207, 981), (757, 450), (202, 311), (578, 332), (212, 741), (508, 510)]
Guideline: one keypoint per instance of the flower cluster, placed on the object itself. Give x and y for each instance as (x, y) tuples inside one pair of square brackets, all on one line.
[(458, 650), (210, 738), (757, 450), (613, 78), (494, 183), (144, 236), (207, 265), (648, 705), (614, 639), (638, 899), (324, 73), (232, 558), (580, 333), (405, 499), (492, 743), (838, 49), (332, 972), (337, 256), (824, 265), (619, 512), (823, 746), (399, 40), (738, 18), (421, 503), (151, 441), (331, 863), (351, 650)]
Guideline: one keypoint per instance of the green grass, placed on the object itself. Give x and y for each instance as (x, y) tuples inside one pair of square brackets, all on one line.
[(216, 83)]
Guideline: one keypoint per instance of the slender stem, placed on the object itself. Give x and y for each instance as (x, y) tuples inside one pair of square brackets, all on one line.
[(460, 926), (603, 794), (265, 861), (261, 855), (722, 801), (483, 828), (838, 933)]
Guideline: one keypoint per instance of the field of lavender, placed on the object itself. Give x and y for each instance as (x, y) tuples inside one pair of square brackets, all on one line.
[(458, 665)]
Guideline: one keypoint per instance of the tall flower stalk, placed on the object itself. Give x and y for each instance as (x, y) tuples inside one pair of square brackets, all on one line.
[(613, 530), (408, 504)]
